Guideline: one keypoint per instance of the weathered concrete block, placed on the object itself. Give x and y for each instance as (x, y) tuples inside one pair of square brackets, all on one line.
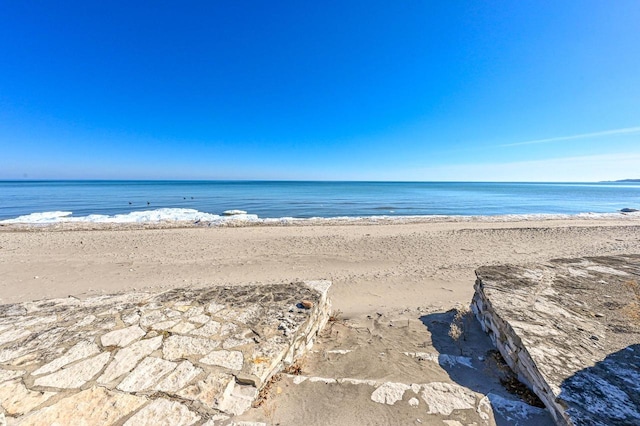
[(570, 329)]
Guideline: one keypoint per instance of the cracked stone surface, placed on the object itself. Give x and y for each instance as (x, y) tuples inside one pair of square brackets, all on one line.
[(182, 357), (82, 350), (232, 360), (122, 337), (571, 330), (76, 375), (163, 411), (17, 399), (399, 368), (95, 406), (126, 359), (146, 374)]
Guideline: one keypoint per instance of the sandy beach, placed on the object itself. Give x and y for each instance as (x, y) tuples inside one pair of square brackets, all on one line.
[(396, 288), (373, 267)]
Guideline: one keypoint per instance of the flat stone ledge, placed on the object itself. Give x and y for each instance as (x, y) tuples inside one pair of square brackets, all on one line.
[(571, 330), (186, 355)]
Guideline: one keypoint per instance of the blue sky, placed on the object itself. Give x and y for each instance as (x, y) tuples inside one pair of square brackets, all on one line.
[(353, 90)]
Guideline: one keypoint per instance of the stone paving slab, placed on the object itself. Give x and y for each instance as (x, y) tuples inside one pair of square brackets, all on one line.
[(398, 368), (184, 356), (571, 330)]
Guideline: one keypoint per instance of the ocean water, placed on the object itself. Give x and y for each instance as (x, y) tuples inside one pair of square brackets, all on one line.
[(139, 201)]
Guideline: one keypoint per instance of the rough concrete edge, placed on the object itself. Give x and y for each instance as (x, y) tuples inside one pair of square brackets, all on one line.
[(305, 335), (546, 394)]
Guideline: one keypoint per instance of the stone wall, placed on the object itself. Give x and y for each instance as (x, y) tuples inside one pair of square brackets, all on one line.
[(184, 356), (570, 329)]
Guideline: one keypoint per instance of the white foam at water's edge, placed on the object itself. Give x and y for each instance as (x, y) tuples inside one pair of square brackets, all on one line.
[(159, 215), (191, 215)]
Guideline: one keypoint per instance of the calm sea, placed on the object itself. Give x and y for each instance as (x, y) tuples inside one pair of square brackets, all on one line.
[(313, 199)]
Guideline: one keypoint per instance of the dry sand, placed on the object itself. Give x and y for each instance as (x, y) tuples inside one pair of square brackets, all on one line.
[(373, 267), (395, 285)]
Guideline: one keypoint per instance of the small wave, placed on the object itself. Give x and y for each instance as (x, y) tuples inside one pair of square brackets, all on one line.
[(192, 215), (159, 215)]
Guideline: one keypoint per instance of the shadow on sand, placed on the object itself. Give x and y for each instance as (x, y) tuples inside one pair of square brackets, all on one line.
[(472, 361)]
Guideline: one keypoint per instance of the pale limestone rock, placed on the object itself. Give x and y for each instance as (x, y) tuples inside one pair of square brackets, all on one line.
[(552, 324), (14, 311), (245, 423), (163, 412), (131, 318), (227, 359), (170, 313), (216, 417), (177, 347), (94, 406), (325, 380), (64, 355), (321, 286), (36, 321), (126, 359), (146, 374), (207, 391), (43, 341), (81, 350), (214, 307), (210, 329), (3, 420), (110, 312), (183, 328), (299, 379), (607, 270), (444, 398), (75, 375), (200, 319), (84, 322), (150, 318), (232, 342), (183, 306), (245, 315), (164, 325), (179, 378), (13, 335), (358, 381), (389, 393), (340, 351), (484, 408), (106, 324), (26, 360), (122, 337), (236, 399), (16, 399), (228, 328), (414, 402), (10, 374), (194, 311)]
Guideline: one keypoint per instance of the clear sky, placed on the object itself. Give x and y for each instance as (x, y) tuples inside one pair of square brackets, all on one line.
[(348, 90)]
